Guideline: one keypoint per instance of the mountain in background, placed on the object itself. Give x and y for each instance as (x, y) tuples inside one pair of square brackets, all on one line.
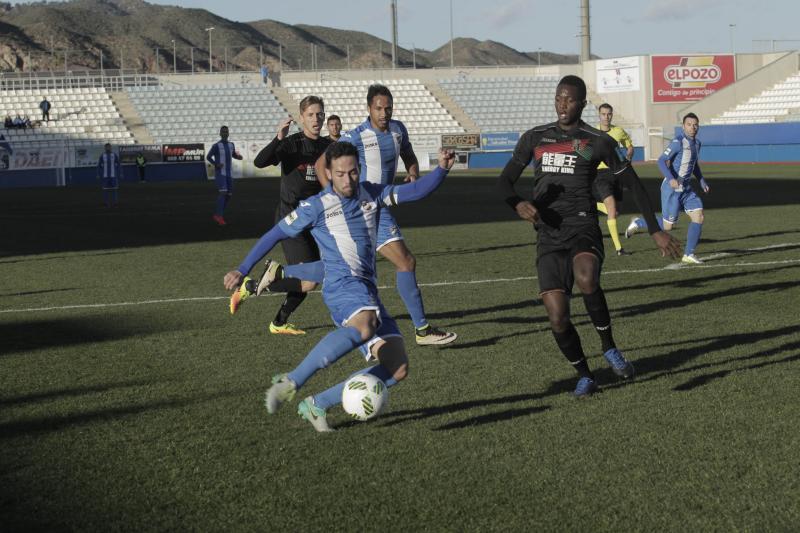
[(133, 33)]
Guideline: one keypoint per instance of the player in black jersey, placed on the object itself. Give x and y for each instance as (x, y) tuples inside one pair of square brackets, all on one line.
[(296, 154), (563, 211)]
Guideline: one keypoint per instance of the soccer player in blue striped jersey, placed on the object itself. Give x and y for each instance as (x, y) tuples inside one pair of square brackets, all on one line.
[(221, 155), (343, 219), (381, 142), (109, 172), (678, 164)]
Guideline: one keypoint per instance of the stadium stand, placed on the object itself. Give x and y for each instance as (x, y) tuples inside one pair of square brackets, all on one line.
[(78, 116), (779, 103), (508, 103), (194, 113), (414, 105)]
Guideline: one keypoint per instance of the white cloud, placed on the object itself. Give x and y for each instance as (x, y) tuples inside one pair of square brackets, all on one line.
[(509, 13)]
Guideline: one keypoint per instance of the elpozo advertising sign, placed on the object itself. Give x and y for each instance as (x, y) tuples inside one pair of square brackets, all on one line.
[(686, 78)]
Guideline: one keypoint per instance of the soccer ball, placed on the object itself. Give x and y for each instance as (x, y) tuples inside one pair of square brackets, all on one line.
[(364, 396)]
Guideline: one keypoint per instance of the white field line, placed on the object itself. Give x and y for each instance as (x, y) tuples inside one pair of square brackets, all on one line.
[(673, 266)]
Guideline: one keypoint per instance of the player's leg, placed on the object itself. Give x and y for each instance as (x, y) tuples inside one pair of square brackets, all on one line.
[(605, 189), (387, 348), (222, 194), (586, 264), (300, 249), (555, 284), (694, 208), (352, 303), (392, 246)]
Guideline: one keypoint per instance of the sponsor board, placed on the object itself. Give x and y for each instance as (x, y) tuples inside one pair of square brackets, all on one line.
[(685, 78), (128, 153), (499, 142), (461, 141), (618, 75), (181, 153), (88, 156)]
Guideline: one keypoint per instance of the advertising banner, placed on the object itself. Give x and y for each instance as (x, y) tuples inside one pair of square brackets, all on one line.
[(128, 153), (461, 141), (685, 78), (87, 156), (182, 153), (618, 75), (499, 142)]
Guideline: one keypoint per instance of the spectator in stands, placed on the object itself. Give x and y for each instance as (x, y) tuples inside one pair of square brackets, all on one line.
[(141, 162), (18, 122), (334, 127), (8, 122), (265, 74), (109, 172), (220, 156), (26, 121), (45, 106)]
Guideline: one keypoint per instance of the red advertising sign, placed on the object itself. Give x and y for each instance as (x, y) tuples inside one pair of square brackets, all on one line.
[(684, 78)]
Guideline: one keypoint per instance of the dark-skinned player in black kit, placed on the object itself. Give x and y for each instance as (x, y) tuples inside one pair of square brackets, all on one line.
[(563, 211)]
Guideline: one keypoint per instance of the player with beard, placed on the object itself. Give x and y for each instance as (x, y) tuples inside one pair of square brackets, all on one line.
[(296, 154), (563, 211)]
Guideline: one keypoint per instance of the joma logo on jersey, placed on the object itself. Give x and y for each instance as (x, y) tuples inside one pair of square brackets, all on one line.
[(371, 145), (337, 212), (559, 163)]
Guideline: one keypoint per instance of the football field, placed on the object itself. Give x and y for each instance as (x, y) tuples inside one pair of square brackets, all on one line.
[(130, 399)]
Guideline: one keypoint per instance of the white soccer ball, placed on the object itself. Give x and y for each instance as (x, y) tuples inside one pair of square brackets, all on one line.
[(364, 396)]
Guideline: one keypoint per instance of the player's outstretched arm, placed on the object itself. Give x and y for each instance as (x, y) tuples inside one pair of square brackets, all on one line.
[(268, 156), (266, 243), (424, 186)]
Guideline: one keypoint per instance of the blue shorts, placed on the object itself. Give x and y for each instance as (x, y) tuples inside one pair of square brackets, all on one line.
[(346, 297), (224, 184), (673, 201), (388, 230), (110, 183)]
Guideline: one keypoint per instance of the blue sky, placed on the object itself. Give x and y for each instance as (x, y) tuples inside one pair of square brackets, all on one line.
[(619, 28)]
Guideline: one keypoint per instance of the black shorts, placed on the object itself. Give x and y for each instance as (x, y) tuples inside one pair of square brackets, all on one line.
[(300, 249), (554, 262), (606, 184)]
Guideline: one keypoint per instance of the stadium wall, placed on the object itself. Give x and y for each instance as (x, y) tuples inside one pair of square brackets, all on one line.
[(84, 176), (750, 143)]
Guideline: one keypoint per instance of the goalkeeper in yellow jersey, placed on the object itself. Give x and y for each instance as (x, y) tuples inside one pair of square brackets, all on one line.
[(607, 188)]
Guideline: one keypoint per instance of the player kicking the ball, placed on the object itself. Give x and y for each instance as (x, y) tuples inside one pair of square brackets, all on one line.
[(343, 219)]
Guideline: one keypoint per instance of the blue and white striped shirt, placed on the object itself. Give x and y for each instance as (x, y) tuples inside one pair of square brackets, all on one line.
[(680, 159), (221, 153), (108, 165), (378, 151)]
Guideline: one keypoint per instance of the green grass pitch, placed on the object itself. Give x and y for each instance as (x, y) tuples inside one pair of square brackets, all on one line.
[(131, 400)]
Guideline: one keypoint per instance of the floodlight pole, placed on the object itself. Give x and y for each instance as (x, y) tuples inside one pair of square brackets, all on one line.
[(174, 59), (731, 28), (210, 56), (452, 62)]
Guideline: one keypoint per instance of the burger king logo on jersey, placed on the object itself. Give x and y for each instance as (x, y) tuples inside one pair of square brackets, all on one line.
[(690, 77)]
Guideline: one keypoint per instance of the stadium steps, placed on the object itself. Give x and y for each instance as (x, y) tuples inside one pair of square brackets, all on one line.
[(285, 99), (452, 107), (131, 117)]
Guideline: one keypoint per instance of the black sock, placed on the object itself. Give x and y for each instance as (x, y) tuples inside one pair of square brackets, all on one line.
[(597, 308), (286, 285), (292, 301), (570, 345)]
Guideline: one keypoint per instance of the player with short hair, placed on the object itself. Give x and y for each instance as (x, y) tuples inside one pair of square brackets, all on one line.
[(343, 219), (678, 163), (607, 188), (109, 171), (381, 142), (296, 154), (220, 155), (563, 211), (334, 127)]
